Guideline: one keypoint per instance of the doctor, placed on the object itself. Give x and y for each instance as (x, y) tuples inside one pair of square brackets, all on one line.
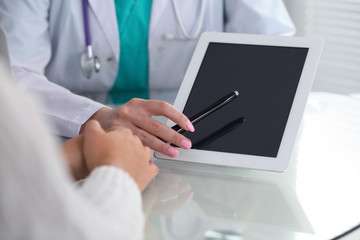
[(63, 45)]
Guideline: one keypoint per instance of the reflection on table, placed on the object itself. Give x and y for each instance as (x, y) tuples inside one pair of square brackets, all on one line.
[(191, 201)]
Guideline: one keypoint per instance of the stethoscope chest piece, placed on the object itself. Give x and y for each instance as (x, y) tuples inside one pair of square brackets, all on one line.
[(89, 63)]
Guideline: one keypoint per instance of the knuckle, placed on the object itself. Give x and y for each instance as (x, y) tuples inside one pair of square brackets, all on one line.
[(175, 138), (135, 101), (155, 126), (142, 136), (163, 105), (123, 112)]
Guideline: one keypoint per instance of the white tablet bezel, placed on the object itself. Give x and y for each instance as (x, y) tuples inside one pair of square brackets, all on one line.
[(279, 163)]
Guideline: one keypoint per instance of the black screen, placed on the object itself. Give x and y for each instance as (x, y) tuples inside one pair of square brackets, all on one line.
[(266, 78)]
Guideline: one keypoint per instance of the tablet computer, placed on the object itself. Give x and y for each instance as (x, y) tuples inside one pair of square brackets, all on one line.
[(273, 76)]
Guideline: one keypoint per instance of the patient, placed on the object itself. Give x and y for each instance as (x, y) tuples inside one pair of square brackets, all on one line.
[(39, 199)]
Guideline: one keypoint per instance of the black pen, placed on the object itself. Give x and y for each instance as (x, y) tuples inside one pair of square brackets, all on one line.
[(210, 109)]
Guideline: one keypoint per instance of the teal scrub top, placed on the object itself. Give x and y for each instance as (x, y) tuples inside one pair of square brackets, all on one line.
[(133, 17)]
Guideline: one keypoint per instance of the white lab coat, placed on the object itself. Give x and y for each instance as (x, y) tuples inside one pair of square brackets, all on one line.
[(46, 40)]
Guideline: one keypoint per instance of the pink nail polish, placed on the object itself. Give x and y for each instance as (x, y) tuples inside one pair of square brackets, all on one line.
[(173, 151), (189, 126), (186, 144)]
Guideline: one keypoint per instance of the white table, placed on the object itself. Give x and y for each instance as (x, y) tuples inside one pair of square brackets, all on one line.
[(318, 197)]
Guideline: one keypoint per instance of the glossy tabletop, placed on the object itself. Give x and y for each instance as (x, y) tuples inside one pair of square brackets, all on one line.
[(318, 197)]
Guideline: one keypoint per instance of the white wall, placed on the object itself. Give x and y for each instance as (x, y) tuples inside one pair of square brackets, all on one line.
[(338, 22)]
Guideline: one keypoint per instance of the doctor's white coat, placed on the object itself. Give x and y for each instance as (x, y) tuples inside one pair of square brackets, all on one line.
[(46, 39)]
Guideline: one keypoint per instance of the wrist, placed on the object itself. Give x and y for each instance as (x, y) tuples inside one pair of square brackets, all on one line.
[(73, 153), (107, 161), (98, 116)]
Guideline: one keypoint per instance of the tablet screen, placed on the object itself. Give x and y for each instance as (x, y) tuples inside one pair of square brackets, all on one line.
[(266, 78)]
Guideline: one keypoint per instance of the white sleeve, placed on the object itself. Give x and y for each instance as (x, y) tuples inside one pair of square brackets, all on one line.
[(27, 27), (38, 198), (258, 17)]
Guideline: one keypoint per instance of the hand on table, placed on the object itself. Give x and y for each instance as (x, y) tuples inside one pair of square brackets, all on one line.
[(116, 147), (120, 148), (137, 116)]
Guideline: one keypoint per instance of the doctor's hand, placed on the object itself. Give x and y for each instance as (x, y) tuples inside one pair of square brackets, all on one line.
[(137, 116)]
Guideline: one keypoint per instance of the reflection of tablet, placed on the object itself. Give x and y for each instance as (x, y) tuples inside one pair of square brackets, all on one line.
[(273, 76)]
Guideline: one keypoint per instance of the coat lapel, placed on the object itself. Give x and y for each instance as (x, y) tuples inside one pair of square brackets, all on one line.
[(157, 7), (104, 12)]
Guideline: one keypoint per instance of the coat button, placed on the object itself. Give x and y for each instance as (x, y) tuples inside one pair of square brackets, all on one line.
[(109, 59)]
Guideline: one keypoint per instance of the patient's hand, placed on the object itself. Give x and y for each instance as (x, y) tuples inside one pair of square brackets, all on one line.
[(73, 150), (118, 147)]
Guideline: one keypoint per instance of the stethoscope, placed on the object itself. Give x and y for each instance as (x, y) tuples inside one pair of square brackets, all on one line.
[(187, 36), (91, 63)]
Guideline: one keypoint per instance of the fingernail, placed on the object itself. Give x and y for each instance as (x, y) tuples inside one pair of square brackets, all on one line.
[(186, 144), (189, 126), (173, 151)]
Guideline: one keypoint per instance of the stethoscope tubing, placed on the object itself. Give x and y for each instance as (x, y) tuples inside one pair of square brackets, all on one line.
[(86, 22), (199, 22), (89, 62)]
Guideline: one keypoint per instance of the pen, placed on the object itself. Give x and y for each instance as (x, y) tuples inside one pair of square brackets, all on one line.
[(210, 109)]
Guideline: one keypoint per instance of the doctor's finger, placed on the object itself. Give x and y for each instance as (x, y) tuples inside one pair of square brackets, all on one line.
[(155, 143), (161, 108), (163, 132)]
